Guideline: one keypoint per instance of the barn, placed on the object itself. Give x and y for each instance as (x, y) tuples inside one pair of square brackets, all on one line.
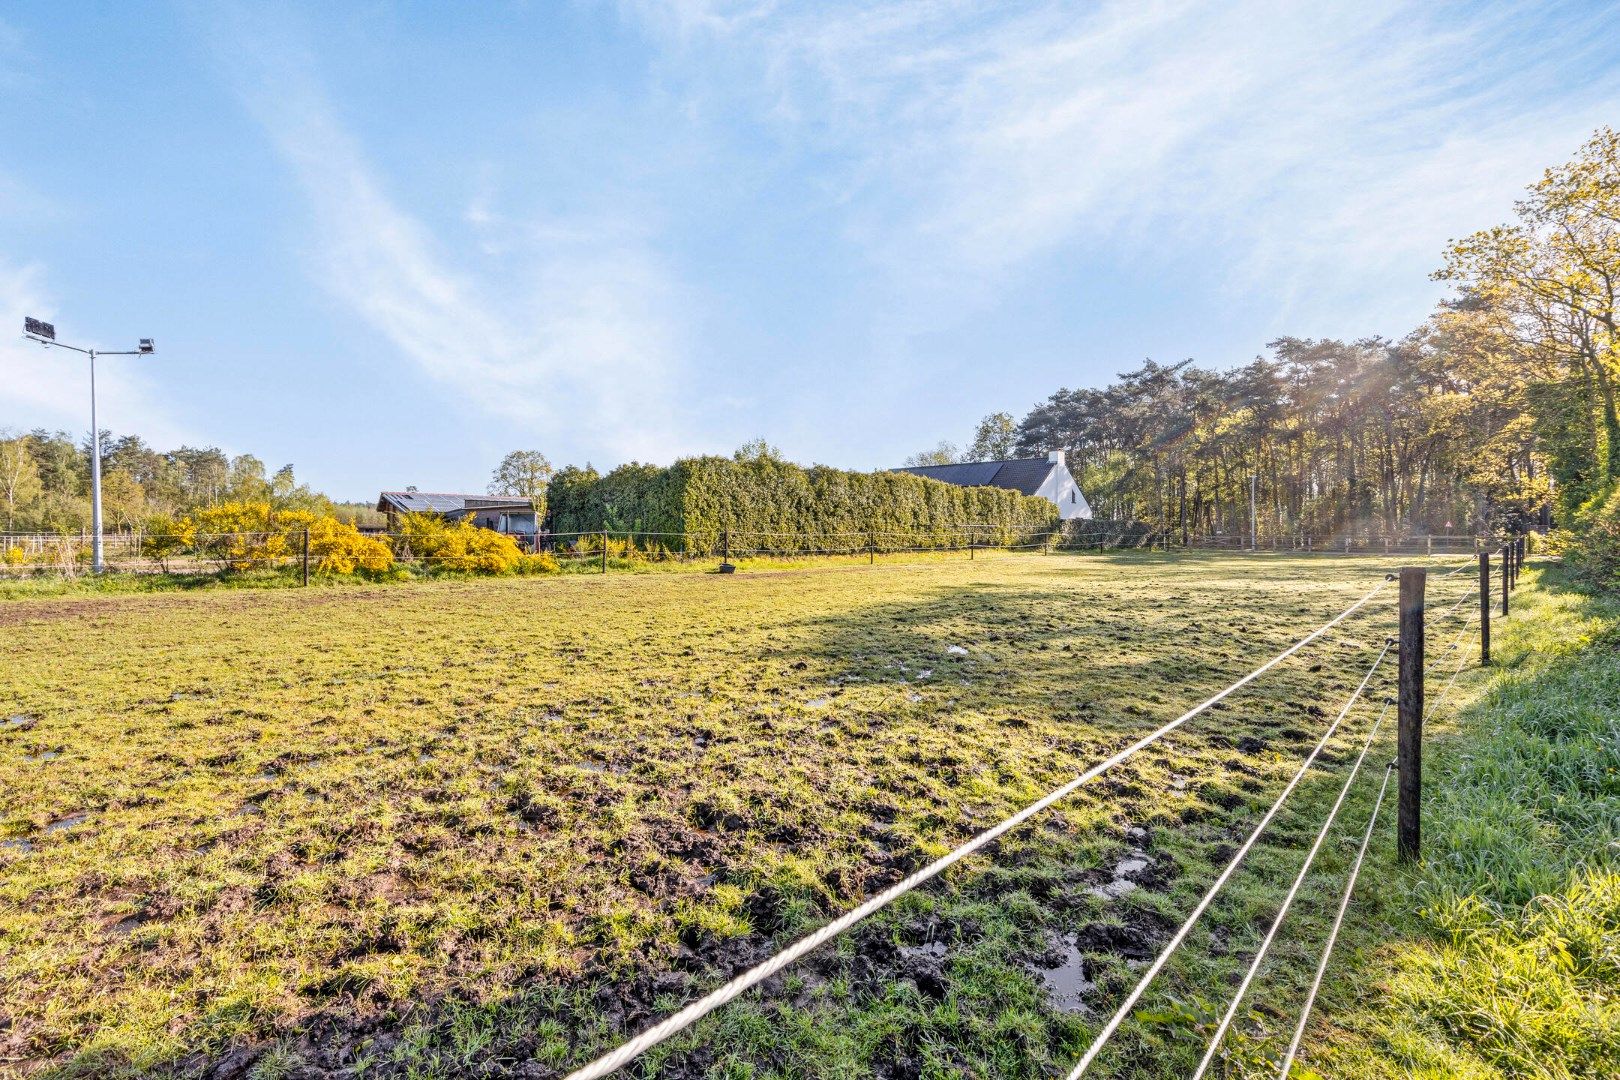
[(509, 514)]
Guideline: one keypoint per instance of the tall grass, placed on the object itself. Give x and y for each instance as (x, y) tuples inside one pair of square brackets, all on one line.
[(1508, 954)]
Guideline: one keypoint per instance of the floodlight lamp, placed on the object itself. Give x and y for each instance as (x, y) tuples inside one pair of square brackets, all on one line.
[(146, 345)]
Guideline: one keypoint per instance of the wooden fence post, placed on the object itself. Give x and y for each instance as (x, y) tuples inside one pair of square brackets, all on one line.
[(1409, 737), (604, 553), (306, 556), (871, 547), (1484, 609), (1505, 561)]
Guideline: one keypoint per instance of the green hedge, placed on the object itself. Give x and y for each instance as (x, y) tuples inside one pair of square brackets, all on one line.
[(784, 507)]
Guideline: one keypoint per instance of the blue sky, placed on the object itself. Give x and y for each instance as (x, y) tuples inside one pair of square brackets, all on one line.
[(390, 242)]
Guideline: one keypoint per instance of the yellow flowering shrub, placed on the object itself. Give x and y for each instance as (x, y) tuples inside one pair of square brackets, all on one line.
[(458, 545), (163, 537), (343, 549), (14, 556), (241, 535)]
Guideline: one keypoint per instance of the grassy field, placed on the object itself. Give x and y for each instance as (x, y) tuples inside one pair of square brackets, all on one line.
[(492, 827)]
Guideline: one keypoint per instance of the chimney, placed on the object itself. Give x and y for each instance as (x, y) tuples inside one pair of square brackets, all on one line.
[(1055, 456)]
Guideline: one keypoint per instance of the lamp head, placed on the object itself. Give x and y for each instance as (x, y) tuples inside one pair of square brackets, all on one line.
[(146, 345)]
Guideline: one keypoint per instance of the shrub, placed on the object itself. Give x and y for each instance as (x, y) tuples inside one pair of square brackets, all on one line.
[(1592, 545), (342, 549), (543, 563), (163, 537), (458, 545), (14, 556), (242, 535)]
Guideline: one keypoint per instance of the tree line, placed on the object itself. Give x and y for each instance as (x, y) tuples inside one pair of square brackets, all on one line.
[(1499, 412), (45, 482)]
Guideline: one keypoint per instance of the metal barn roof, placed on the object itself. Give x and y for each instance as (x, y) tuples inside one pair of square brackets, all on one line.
[(438, 502)]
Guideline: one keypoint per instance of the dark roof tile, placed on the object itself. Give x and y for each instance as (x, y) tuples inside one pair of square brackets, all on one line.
[(1024, 475)]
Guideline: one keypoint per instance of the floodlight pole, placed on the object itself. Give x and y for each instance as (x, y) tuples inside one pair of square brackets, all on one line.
[(97, 561)]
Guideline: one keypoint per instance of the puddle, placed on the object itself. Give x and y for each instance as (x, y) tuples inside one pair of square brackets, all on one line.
[(935, 949), (49, 755), (70, 822), (816, 703), (1067, 984), (16, 722), (21, 846), (1124, 870), (1113, 890)]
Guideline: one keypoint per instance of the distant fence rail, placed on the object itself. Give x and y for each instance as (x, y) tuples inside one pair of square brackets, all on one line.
[(135, 552)]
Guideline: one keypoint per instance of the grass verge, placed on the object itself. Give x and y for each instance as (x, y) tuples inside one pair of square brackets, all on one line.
[(1500, 957)]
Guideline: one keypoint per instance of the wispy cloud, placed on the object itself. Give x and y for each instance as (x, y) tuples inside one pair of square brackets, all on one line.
[(571, 330), (1338, 145)]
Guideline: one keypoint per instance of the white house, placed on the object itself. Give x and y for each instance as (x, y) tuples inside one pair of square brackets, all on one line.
[(1047, 478)]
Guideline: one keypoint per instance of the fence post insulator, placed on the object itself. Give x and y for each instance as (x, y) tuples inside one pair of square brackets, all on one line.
[(1409, 738)]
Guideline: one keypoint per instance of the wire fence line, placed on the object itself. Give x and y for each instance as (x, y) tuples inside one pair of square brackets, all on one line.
[(1333, 932), (1225, 875), (715, 999), (667, 1028), (1288, 899), (1350, 888), (193, 553)]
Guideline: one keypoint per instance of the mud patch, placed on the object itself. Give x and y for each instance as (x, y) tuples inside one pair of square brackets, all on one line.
[(1065, 976), (71, 821), (1129, 874)]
